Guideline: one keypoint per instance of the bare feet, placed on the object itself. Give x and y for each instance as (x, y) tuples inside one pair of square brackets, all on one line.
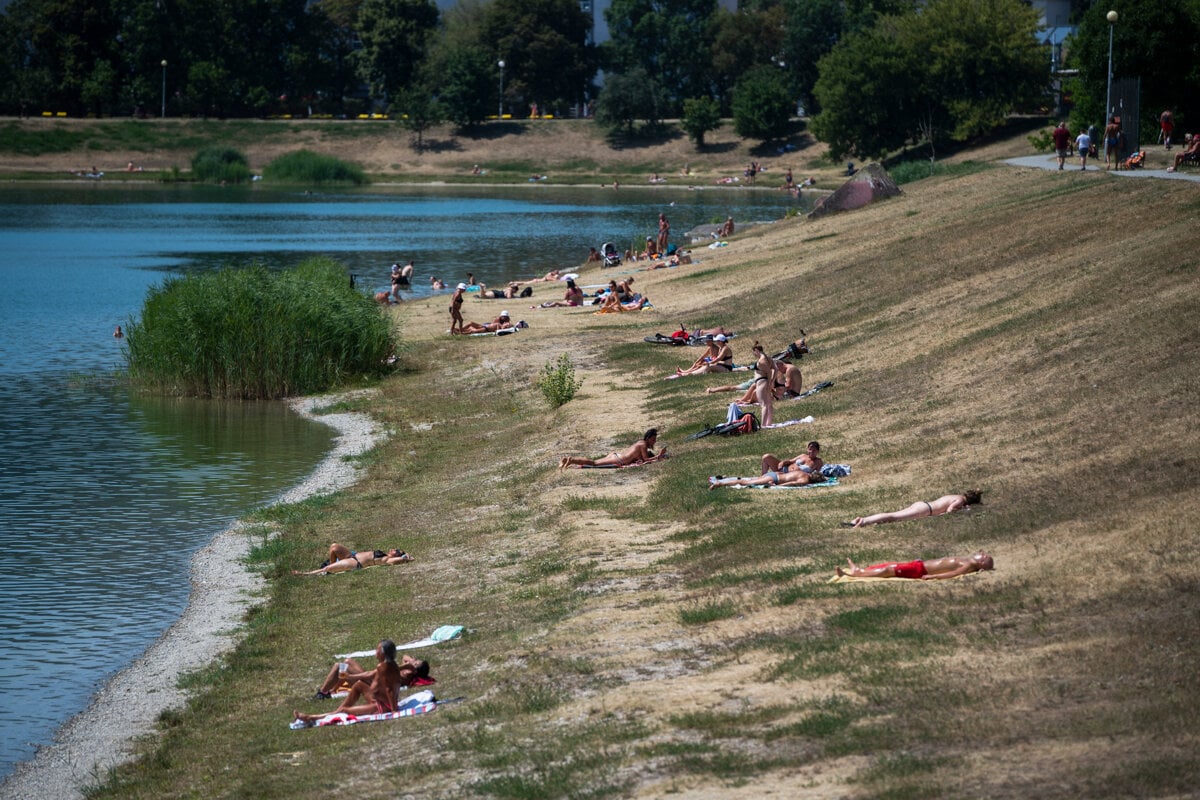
[(564, 462)]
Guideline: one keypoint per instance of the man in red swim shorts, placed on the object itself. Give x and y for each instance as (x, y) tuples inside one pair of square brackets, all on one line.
[(932, 570)]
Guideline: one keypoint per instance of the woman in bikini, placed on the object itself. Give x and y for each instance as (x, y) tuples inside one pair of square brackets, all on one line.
[(771, 478), (764, 383), (343, 559), (943, 505), (386, 680), (411, 670), (717, 358), (640, 452), (456, 301)]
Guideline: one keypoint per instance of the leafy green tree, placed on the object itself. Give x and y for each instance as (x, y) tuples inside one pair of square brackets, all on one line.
[(99, 90), (419, 111), (543, 43), (208, 89), (742, 40), (628, 98), (671, 40), (395, 36), (1154, 40), (952, 71), (465, 85), (762, 105), (700, 115)]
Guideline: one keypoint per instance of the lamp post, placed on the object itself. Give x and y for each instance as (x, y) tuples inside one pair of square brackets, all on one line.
[(500, 114), (164, 89), (1111, 16)]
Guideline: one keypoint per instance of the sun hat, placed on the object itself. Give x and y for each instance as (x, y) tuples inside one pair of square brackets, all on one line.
[(720, 337), (462, 286), (504, 313)]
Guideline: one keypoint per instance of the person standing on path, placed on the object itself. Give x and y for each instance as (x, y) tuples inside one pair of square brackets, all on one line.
[(1083, 143), (1166, 121), (1062, 142), (1112, 141)]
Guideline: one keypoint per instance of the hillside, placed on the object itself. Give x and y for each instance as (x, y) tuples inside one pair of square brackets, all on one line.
[(633, 634)]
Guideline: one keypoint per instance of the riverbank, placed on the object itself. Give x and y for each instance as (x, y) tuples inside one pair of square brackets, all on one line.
[(223, 588)]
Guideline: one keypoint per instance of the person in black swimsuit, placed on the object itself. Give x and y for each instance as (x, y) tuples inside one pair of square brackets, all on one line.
[(943, 505), (343, 559), (764, 377), (717, 358)]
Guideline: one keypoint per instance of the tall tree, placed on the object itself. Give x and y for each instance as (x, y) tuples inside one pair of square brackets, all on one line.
[(670, 39), (395, 36), (543, 43), (742, 41)]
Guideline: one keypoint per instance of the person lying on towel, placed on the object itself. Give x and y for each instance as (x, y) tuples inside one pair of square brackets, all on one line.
[(943, 505), (343, 559), (932, 570), (502, 321), (640, 452)]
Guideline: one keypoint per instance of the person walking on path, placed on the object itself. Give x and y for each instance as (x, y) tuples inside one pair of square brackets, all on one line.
[(1062, 142), (1083, 143)]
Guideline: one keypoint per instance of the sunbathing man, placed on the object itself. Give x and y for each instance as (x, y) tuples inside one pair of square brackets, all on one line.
[(933, 570), (809, 461), (943, 505), (638, 453), (343, 559), (411, 670), (380, 693), (500, 322)]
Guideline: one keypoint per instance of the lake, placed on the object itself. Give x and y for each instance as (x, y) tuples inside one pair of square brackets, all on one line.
[(104, 495)]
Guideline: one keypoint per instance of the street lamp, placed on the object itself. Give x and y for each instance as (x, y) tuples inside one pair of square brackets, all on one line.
[(501, 65), (1111, 16), (164, 89)]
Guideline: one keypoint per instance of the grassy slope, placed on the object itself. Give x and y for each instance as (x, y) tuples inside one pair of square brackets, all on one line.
[(633, 634)]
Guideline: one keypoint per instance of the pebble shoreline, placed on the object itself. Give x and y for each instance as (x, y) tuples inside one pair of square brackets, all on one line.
[(87, 746)]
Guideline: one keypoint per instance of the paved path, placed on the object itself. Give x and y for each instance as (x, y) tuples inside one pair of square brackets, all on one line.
[(1051, 162)]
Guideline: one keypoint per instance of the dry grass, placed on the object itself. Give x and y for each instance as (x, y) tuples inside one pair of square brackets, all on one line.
[(1004, 330)]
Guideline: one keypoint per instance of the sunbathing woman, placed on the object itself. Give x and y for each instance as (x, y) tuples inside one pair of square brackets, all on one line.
[(411, 670), (770, 478), (717, 358), (932, 570), (380, 692), (637, 453), (343, 559), (499, 323), (787, 385), (943, 505), (573, 297)]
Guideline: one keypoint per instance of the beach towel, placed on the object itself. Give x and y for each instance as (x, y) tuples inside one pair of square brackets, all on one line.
[(852, 579), (443, 634), (787, 422), (501, 332), (419, 703), (717, 480), (618, 309), (813, 390)]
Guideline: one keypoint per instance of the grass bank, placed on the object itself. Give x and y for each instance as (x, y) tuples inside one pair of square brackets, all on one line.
[(633, 634)]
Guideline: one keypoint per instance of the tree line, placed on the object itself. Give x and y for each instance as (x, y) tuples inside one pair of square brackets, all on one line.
[(872, 76)]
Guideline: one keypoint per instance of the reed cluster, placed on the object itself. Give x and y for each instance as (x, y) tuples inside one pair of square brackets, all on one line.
[(255, 334), (220, 165), (305, 166)]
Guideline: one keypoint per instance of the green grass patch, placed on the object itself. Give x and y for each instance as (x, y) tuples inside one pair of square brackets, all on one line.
[(705, 612), (307, 167)]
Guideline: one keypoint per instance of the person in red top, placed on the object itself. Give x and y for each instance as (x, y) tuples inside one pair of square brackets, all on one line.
[(1062, 142), (1166, 120)]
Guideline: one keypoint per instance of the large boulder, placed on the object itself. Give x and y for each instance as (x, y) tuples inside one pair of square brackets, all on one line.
[(869, 184)]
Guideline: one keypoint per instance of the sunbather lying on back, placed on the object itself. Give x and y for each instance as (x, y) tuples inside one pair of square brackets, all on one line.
[(770, 478), (499, 323)]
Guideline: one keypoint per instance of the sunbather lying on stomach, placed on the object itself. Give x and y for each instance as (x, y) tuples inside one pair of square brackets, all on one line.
[(640, 451)]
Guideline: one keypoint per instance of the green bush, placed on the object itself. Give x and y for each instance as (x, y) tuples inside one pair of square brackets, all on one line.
[(220, 165), (1041, 141), (558, 382), (256, 334), (305, 166)]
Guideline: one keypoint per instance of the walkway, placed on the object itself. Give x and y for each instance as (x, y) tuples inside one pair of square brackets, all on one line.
[(1051, 162)]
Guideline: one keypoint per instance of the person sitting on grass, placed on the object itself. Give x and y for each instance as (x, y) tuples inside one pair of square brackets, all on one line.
[(809, 461), (350, 672), (932, 570), (343, 559), (572, 298), (499, 323), (718, 357), (380, 693), (640, 452), (943, 505)]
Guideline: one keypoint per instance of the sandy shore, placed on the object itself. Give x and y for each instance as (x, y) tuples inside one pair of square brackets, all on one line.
[(92, 742)]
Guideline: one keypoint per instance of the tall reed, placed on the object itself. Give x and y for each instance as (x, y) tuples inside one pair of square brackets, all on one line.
[(256, 334), (305, 166)]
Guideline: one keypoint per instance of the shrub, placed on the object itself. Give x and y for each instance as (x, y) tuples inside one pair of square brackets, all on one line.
[(1041, 141), (305, 166), (558, 382), (220, 165), (256, 334)]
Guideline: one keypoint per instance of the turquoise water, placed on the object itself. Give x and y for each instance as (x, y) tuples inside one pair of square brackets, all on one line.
[(104, 497)]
